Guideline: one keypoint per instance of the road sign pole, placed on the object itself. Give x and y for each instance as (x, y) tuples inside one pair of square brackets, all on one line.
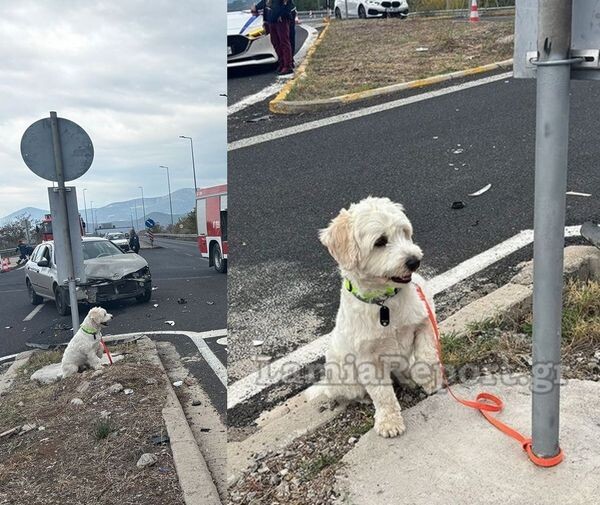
[(65, 232), (552, 123)]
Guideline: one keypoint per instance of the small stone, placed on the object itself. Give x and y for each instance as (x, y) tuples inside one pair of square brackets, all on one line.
[(21, 404), (178, 384), (83, 387), (41, 428), (146, 459), (115, 388), (128, 391), (352, 440), (97, 373), (284, 472), (195, 403), (76, 401), (26, 428), (274, 480), (151, 381), (263, 469)]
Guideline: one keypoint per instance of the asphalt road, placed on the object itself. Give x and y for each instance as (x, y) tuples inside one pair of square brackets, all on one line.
[(177, 272), (426, 155), (245, 81)]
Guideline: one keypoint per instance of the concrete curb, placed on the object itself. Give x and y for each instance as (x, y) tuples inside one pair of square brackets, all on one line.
[(279, 105), (296, 417), (194, 477), (9, 376)]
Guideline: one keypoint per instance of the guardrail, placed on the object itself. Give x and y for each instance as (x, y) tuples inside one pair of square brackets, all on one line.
[(8, 252), (190, 237)]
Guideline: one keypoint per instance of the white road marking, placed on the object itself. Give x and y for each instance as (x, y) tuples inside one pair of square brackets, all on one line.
[(210, 357), (8, 358), (340, 118), (32, 314), (274, 88), (285, 367)]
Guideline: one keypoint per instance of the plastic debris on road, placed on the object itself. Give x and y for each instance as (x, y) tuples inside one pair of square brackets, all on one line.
[(257, 343), (181, 301), (170, 323), (458, 205), (577, 193), (178, 384), (481, 191)]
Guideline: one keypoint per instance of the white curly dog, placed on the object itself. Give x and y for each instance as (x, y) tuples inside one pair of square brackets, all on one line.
[(382, 325), (85, 349)]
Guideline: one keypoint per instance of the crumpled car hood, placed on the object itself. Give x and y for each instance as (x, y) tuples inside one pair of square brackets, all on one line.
[(238, 20), (113, 267)]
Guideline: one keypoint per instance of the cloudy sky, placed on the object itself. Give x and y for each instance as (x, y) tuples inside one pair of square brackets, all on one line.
[(134, 74)]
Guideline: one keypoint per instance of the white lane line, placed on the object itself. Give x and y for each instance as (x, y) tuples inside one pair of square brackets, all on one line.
[(8, 358), (285, 367), (340, 118), (210, 357), (32, 314), (274, 88)]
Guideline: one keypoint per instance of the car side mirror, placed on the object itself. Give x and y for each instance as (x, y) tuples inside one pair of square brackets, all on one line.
[(43, 263)]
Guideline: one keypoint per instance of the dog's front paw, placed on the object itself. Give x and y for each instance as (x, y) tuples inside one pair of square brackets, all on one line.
[(390, 425)]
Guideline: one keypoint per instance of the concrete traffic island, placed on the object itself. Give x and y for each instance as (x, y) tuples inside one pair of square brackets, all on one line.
[(451, 454)]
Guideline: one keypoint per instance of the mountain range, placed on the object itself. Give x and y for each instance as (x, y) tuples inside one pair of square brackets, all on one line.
[(120, 214)]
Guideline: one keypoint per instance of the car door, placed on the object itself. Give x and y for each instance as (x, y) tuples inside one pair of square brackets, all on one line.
[(32, 270), (47, 275)]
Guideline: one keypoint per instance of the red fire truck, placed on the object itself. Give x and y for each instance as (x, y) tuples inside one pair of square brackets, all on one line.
[(211, 215), (45, 227)]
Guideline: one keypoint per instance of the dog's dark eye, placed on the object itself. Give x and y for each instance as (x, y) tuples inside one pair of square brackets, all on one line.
[(381, 241)]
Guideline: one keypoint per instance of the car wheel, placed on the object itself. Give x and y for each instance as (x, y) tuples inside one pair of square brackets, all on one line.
[(145, 298), (34, 298), (218, 260), (362, 13), (61, 299), (338, 13)]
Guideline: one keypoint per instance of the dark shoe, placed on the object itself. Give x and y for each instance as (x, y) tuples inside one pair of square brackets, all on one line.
[(286, 72)]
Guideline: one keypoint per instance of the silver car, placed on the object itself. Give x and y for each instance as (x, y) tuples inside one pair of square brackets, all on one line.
[(111, 275)]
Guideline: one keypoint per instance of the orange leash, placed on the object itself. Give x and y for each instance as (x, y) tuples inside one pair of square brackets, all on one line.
[(106, 351), (486, 403)]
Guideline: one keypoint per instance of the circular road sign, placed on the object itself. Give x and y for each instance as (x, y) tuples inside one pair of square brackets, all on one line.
[(150, 223), (38, 152)]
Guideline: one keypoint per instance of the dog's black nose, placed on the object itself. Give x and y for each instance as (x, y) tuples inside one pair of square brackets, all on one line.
[(413, 263)]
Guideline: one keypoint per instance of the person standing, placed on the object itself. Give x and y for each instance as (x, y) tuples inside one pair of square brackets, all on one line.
[(278, 17), (24, 251), (134, 241)]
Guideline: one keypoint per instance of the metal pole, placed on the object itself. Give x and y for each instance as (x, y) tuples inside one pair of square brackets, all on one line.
[(65, 232), (87, 224), (346, 2), (552, 131), (193, 164), (143, 204), (92, 213), (169, 186)]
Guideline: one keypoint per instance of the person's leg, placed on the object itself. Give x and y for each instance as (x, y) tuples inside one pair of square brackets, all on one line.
[(276, 44), (293, 39), (285, 47)]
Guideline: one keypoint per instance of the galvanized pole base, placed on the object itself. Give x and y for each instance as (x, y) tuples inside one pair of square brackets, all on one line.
[(552, 133)]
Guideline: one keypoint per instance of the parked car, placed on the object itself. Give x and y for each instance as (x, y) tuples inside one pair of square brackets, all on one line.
[(247, 41), (111, 275), (120, 239), (363, 9)]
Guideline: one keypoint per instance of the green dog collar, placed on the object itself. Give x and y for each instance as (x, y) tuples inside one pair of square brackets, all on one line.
[(89, 332), (376, 297)]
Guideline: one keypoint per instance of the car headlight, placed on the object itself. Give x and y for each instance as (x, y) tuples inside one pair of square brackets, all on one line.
[(256, 33), (142, 272)]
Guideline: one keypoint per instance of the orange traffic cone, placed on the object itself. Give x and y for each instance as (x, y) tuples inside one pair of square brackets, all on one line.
[(474, 14)]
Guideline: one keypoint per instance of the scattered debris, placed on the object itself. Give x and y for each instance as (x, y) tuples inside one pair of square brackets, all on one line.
[(181, 301), (170, 323), (435, 138), (26, 428), (128, 391), (8, 327), (146, 459), (257, 343), (154, 288), (208, 302), (577, 193), (151, 381), (260, 118), (10, 433), (204, 430), (178, 384), (421, 49), (458, 151), (222, 341), (458, 205), (117, 387), (160, 439), (76, 401), (41, 428), (481, 191), (196, 403), (155, 305), (352, 440)]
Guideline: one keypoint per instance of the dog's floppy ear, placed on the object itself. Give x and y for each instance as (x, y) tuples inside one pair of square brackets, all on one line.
[(338, 239)]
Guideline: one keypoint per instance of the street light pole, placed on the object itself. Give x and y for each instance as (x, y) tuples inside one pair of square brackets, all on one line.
[(92, 213), (170, 202), (551, 147), (85, 210), (193, 164), (143, 204)]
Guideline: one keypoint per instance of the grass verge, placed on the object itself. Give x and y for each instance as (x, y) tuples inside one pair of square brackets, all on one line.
[(360, 55)]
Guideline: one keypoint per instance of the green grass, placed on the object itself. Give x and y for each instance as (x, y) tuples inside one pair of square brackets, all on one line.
[(312, 468), (102, 429)]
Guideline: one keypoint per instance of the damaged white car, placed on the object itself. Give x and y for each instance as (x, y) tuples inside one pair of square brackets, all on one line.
[(111, 275)]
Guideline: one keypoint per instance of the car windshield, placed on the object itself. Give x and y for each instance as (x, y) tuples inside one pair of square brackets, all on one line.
[(99, 249), (240, 5)]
